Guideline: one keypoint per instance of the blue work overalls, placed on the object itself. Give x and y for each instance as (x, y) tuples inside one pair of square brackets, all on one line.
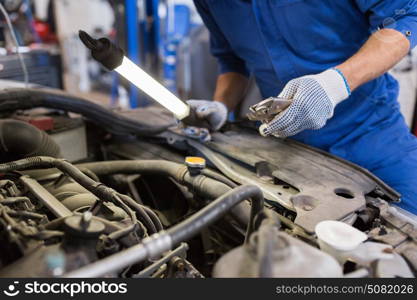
[(278, 40)]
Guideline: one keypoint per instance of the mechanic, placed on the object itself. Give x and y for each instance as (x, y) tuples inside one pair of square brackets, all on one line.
[(330, 58)]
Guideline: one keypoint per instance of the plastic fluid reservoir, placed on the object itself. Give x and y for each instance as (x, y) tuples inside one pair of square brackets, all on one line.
[(274, 254), (338, 238)]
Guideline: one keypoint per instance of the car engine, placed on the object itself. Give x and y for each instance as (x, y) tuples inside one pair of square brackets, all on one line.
[(90, 192)]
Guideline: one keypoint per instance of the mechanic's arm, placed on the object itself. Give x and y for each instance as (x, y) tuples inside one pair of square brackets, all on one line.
[(314, 97), (230, 89), (381, 52), (212, 114), (231, 84)]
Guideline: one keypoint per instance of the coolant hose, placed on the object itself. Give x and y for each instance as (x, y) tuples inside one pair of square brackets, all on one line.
[(15, 99), (20, 139), (163, 241)]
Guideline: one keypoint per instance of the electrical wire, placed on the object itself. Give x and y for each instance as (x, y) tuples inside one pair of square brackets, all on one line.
[(14, 38)]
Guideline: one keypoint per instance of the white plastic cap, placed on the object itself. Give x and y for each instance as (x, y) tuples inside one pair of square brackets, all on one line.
[(339, 236)]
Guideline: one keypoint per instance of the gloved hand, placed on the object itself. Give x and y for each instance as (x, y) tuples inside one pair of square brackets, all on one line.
[(208, 114), (314, 98)]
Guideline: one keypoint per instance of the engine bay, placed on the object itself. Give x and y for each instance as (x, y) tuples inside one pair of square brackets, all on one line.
[(89, 192)]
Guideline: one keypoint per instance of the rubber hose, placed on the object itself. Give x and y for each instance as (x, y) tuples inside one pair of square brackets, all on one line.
[(20, 139), (15, 99), (143, 216), (215, 210)]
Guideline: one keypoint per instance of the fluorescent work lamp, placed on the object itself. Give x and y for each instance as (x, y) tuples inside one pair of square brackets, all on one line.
[(112, 57)]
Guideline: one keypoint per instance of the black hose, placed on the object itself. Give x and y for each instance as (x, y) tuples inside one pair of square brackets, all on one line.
[(151, 222), (164, 241), (19, 98), (154, 217), (215, 210), (216, 176), (142, 214), (20, 139), (131, 228)]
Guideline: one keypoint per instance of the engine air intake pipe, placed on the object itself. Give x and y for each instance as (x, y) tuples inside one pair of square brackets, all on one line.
[(20, 139)]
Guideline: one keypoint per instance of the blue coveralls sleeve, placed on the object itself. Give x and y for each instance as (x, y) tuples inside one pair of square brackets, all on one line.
[(220, 47), (400, 15)]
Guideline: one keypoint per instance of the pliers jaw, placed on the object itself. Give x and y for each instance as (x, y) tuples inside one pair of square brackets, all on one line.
[(266, 110)]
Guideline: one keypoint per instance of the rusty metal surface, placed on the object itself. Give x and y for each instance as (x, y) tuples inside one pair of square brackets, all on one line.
[(328, 188)]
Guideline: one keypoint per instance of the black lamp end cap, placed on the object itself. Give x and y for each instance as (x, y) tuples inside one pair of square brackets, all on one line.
[(103, 50)]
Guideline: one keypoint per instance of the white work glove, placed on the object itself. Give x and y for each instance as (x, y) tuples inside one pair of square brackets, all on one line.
[(207, 114), (314, 99)]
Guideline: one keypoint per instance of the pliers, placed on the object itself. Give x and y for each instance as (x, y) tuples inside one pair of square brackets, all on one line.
[(266, 110)]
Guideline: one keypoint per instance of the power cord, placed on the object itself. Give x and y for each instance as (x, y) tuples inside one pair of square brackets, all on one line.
[(14, 38)]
